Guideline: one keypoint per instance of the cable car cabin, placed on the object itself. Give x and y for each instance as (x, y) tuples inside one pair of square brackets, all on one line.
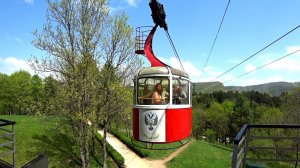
[(162, 111)]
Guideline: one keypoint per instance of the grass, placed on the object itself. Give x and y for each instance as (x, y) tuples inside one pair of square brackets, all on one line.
[(201, 154), (26, 127), (36, 135), (159, 151), (116, 156), (164, 150)]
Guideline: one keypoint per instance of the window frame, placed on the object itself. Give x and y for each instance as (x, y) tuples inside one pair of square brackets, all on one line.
[(156, 79)]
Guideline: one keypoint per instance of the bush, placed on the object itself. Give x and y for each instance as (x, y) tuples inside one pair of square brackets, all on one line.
[(117, 157), (128, 142)]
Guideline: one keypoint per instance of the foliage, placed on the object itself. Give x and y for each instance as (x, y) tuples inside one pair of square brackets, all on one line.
[(91, 54), (217, 122), (199, 121), (117, 157), (126, 140), (270, 115), (273, 89), (218, 115), (3, 93), (291, 106), (278, 143), (207, 87), (21, 93), (151, 151), (51, 94)]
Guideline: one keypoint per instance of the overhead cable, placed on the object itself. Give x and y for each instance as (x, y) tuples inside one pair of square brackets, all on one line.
[(216, 37), (174, 49), (214, 85), (263, 65), (257, 52)]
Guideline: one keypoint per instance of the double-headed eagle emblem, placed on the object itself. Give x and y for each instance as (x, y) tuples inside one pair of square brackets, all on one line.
[(151, 120)]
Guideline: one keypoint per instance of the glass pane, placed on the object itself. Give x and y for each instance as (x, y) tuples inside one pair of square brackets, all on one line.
[(153, 90), (180, 91)]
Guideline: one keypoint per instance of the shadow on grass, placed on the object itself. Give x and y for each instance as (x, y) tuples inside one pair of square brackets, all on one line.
[(219, 146), (60, 146)]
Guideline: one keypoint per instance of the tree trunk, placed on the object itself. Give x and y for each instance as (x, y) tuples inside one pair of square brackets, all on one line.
[(84, 146), (104, 146)]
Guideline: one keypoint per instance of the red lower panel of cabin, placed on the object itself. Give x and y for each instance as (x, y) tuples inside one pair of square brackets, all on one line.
[(162, 126)]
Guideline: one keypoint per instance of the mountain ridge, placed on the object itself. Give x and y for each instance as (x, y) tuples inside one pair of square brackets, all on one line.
[(272, 88)]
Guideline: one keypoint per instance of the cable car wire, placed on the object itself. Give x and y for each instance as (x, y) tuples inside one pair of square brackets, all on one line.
[(254, 69), (216, 37), (174, 49), (252, 56), (263, 66), (257, 52)]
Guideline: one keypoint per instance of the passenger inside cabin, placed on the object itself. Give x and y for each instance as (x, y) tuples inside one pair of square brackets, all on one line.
[(156, 97), (157, 94), (147, 95), (160, 96), (178, 94)]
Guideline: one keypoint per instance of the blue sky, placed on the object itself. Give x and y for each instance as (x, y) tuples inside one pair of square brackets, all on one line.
[(248, 27)]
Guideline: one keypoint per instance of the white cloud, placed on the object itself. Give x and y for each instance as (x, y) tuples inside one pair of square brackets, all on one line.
[(255, 81), (10, 65), (132, 2), (288, 64), (249, 67), (30, 2), (211, 73), (291, 49), (188, 66)]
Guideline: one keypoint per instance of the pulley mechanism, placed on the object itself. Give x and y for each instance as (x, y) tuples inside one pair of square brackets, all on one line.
[(158, 14)]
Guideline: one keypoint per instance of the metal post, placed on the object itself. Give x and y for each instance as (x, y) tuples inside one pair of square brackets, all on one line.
[(14, 146), (246, 146), (297, 154), (234, 156)]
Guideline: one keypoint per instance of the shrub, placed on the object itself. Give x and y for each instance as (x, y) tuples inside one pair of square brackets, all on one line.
[(117, 157), (128, 142)]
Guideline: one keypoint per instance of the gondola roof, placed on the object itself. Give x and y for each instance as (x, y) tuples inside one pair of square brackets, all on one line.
[(162, 71)]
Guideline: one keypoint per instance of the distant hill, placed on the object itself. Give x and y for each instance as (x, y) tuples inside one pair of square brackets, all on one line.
[(208, 87), (273, 89)]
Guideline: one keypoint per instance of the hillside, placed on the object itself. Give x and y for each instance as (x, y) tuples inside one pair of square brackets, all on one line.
[(273, 89), (208, 87)]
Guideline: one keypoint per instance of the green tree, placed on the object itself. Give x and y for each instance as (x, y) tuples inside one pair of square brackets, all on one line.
[(19, 93), (120, 63), (71, 37), (3, 93), (291, 106), (217, 119), (242, 114), (199, 121), (220, 96), (37, 94), (51, 98), (270, 115), (91, 55)]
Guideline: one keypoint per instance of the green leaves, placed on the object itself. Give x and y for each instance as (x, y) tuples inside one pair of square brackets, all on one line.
[(291, 105)]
